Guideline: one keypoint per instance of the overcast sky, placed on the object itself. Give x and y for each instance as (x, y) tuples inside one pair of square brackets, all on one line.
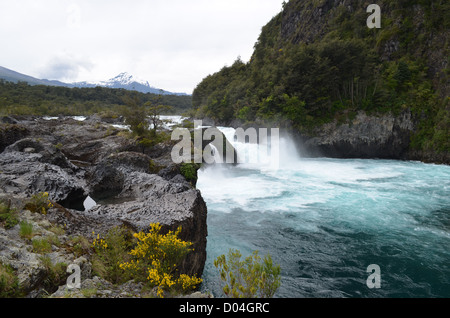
[(173, 44)]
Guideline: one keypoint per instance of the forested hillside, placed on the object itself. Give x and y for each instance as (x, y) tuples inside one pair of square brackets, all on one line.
[(317, 62), (23, 99)]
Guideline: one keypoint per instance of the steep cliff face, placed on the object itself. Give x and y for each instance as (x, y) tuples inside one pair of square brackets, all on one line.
[(386, 137), (415, 28), (318, 69)]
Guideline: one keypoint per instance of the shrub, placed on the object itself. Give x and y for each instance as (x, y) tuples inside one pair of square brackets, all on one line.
[(189, 172), (109, 253), (39, 203), (156, 261), (249, 278)]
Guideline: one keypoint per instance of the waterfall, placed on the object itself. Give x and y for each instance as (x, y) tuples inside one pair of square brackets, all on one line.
[(269, 152), (214, 152)]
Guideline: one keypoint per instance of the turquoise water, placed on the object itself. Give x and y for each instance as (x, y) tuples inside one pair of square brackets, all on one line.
[(326, 220)]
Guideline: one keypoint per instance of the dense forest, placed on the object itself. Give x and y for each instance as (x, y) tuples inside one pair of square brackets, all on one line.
[(317, 61), (24, 99)]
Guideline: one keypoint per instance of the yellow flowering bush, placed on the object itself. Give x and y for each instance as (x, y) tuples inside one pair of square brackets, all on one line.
[(39, 203), (99, 243), (156, 258)]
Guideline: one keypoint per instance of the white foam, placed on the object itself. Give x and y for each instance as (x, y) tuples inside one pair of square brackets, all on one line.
[(50, 118), (267, 155), (78, 118), (219, 185)]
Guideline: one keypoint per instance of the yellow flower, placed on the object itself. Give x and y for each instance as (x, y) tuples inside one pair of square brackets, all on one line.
[(158, 253)]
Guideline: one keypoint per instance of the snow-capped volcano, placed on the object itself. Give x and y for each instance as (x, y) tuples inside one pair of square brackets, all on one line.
[(124, 79), (127, 81)]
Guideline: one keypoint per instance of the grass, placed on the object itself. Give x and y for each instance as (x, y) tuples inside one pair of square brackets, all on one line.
[(42, 246), (26, 230), (56, 274), (89, 292), (57, 230), (8, 216), (9, 283)]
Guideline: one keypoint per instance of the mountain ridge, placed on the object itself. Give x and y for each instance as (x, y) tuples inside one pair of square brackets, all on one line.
[(13, 76), (124, 80)]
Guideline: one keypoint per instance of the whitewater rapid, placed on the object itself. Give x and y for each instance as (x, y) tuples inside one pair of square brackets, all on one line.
[(325, 220)]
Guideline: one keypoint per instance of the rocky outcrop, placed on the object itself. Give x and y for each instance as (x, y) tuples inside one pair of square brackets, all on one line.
[(31, 269), (97, 287), (9, 134), (30, 166), (71, 160), (139, 198), (386, 136)]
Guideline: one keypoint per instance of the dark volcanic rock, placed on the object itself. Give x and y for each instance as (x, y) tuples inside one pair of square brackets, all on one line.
[(9, 134), (155, 200), (29, 167), (123, 182), (366, 136), (91, 143), (136, 198)]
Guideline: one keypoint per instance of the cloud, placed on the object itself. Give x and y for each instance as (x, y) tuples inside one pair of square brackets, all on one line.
[(65, 68), (171, 43)]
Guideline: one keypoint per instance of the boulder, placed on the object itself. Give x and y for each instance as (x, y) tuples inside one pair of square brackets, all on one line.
[(132, 196), (42, 168)]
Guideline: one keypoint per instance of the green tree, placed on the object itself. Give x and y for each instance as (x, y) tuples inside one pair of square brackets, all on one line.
[(249, 278), (135, 115), (154, 112)]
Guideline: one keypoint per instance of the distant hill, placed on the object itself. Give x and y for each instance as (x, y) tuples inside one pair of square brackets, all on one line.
[(12, 76), (123, 80)]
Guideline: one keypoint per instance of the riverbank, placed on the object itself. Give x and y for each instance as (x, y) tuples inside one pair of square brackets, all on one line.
[(71, 159)]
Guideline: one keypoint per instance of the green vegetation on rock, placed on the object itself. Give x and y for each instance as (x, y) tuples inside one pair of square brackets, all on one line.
[(189, 172), (9, 283)]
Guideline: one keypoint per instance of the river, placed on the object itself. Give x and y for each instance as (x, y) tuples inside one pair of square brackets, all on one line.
[(326, 220)]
